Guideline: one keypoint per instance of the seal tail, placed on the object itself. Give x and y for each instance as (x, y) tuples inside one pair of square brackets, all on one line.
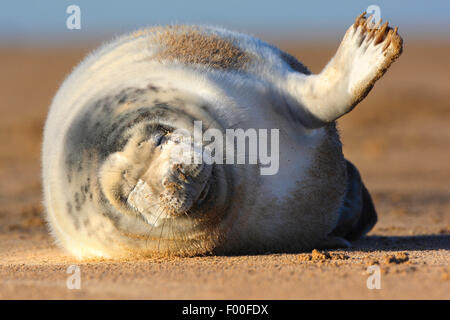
[(357, 214)]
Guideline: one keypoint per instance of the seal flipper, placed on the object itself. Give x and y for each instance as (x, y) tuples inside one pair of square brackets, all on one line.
[(357, 214), (364, 55)]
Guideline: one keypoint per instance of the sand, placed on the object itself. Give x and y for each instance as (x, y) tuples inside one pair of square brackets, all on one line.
[(398, 137)]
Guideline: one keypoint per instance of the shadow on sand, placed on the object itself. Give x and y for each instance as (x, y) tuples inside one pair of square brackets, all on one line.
[(374, 243), (401, 243)]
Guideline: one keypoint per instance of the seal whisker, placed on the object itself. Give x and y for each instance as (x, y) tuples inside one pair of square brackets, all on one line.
[(160, 236)]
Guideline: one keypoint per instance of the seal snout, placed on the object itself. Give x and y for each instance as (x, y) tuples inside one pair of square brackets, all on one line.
[(185, 186)]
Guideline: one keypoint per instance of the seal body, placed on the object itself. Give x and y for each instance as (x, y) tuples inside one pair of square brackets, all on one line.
[(113, 189)]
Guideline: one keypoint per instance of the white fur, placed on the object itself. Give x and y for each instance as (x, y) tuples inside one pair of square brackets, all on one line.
[(244, 98)]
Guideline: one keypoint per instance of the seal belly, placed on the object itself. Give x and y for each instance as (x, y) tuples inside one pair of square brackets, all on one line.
[(319, 194), (310, 209), (300, 217)]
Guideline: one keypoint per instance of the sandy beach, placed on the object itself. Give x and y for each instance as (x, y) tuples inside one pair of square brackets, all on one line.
[(398, 137)]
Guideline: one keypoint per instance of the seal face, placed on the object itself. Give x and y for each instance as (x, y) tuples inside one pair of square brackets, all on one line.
[(136, 183), (116, 185)]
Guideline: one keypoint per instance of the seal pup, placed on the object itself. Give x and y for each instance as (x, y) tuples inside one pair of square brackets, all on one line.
[(112, 187)]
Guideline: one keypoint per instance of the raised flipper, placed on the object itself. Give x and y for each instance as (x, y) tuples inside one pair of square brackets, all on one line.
[(357, 214), (363, 56)]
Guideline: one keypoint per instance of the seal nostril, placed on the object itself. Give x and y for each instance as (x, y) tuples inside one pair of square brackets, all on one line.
[(203, 194)]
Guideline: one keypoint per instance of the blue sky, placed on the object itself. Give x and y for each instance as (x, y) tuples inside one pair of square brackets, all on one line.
[(31, 20)]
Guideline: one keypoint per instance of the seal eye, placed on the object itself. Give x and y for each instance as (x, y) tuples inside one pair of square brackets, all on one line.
[(156, 133), (159, 138)]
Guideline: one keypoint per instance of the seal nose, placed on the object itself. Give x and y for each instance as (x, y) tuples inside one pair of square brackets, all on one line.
[(184, 186)]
